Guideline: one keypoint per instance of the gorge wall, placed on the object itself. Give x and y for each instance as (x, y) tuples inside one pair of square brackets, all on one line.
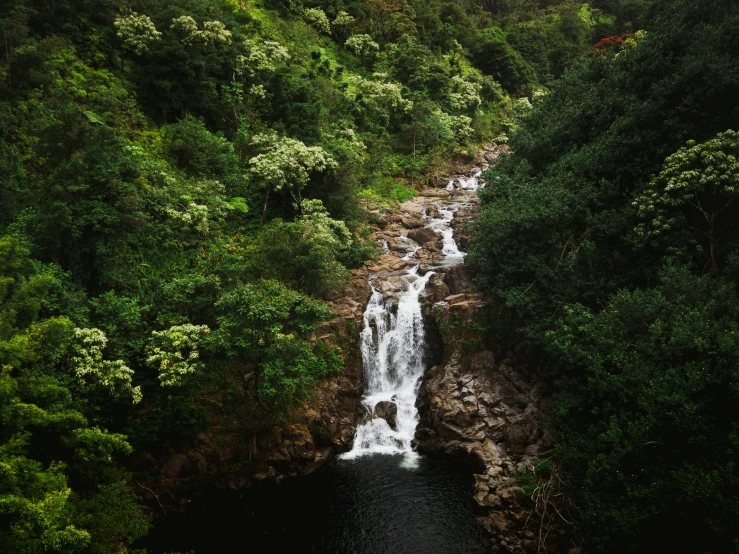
[(471, 401)]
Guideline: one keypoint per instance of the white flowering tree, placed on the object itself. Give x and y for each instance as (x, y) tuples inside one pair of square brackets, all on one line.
[(137, 32), (255, 56), (456, 127), (91, 369), (341, 26), (174, 353), (213, 32), (379, 92), (317, 19), (286, 163), (363, 46), (464, 96), (694, 190), (260, 55)]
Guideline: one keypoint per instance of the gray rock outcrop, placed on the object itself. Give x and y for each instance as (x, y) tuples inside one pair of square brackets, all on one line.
[(388, 411)]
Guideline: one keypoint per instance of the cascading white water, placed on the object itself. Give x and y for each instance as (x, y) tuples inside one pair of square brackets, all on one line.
[(393, 351), (452, 254)]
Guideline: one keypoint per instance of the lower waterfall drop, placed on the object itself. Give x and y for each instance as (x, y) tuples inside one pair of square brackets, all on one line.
[(393, 350), (393, 344)]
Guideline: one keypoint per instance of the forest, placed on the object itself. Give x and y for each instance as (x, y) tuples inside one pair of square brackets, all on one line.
[(185, 183)]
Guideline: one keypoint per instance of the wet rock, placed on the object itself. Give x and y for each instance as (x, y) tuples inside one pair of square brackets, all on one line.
[(178, 465), (482, 407), (388, 411), (145, 463), (423, 235), (458, 279)]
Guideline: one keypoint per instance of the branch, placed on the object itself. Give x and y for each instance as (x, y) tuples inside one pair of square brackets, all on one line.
[(155, 496)]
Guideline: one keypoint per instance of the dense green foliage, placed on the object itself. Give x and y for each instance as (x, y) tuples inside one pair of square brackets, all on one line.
[(179, 187), (610, 235), (182, 185)]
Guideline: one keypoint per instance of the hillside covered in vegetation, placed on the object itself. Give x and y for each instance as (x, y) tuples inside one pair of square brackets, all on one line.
[(611, 234), (183, 183)]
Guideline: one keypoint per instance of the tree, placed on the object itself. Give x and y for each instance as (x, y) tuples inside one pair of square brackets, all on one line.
[(174, 353), (306, 253), (464, 96), (286, 163), (363, 46), (263, 325), (495, 57), (317, 18), (341, 26), (213, 33), (696, 187), (645, 411), (137, 32), (91, 369), (49, 449)]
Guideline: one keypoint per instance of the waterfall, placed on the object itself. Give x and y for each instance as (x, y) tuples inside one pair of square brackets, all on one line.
[(393, 347), (393, 354)]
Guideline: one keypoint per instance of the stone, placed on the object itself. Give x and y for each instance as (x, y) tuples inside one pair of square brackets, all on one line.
[(388, 411), (423, 235), (178, 465), (200, 463), (458, 279)]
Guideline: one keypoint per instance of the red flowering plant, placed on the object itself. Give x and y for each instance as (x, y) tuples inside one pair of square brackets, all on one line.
[(613, 44)]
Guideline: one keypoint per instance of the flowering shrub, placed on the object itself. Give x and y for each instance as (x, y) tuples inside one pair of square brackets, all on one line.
[(377, 91), (90, 368), (617, 44), (464, 95), (137, 32), (318, 20), (362, 45), (174, 352), (214, 32), (260, 56)]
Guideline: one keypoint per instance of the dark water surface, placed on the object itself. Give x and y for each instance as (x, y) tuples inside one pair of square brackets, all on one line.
[(370, 505)]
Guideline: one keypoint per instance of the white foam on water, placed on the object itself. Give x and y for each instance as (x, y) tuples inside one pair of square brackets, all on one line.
[(393, 348), (393, 345)]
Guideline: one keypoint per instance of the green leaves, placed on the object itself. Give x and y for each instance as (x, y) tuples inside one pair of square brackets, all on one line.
[(287, 163), (137, 32), (90, 368), (635, 337), (642, 409), (174, 352), (266, 324), (695, 191)]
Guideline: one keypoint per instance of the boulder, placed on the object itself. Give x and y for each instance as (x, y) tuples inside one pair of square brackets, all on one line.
[(423, 235), (458, 279), (388, 411), (178, 465)]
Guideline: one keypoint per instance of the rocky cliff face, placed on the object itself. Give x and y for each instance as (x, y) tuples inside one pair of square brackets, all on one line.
[(471, 400), (474, 401)]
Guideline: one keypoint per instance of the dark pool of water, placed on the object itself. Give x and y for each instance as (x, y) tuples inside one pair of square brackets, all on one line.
[(371, 505)]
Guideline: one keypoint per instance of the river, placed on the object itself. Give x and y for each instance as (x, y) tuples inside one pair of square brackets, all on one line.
[(381, 496)]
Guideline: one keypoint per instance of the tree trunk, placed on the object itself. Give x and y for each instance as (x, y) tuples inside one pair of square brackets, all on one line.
[(712, 246), (264, 211)]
